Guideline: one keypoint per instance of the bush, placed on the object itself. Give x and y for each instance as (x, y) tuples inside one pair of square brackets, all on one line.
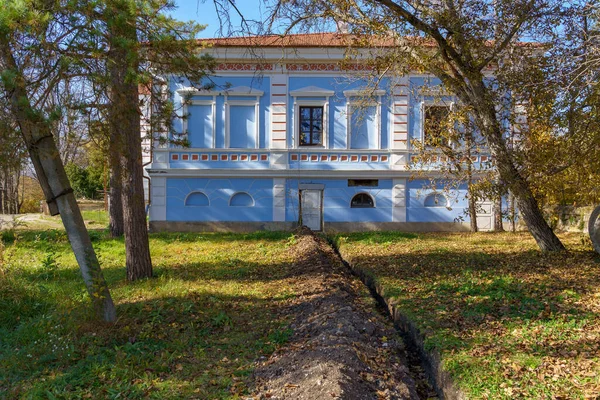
[(84, 180)]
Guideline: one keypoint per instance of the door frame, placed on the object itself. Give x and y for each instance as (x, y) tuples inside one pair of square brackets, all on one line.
[(315, 189)]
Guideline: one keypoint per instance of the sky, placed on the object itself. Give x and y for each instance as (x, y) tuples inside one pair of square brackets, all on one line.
[(203, 12)]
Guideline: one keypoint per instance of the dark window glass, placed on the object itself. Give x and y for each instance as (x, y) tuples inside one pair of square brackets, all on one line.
[(436, 200), (362, 200), (363, 182), (436, 125), (311, 126)]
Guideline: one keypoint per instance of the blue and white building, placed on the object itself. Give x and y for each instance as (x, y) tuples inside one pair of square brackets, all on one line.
[(299, 136)]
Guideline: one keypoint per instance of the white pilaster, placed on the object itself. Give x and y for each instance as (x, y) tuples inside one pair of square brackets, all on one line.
[(400, 115), (278, 199), (399, 200), (158, 204), (279, 95)]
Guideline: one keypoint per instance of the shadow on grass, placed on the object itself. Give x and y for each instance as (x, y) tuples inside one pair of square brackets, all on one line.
[(458, 297), (199, 344)]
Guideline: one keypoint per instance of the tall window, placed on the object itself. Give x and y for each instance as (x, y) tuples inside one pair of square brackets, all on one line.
[(311, 126), (436, 125)]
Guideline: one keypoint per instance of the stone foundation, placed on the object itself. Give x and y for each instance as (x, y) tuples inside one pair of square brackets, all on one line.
[(330, 227)]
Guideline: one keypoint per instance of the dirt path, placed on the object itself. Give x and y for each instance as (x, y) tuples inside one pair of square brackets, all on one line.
[(340, 348)]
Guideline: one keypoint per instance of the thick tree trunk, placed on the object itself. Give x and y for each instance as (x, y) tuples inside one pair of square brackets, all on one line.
[(49, 168), (124, 115), (115, 212), (485, 114)]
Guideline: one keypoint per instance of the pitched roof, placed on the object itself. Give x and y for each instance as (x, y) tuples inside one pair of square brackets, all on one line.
[(329, 39)]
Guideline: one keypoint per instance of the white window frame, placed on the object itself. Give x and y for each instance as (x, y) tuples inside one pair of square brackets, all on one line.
[(310, 91), (438, 193), (375, 100), (244, 91), (213, 103), (363, 192)]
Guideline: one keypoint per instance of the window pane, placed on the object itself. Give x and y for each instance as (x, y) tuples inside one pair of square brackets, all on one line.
[(316, 137), (311, 125), (317, 113), (304, 112)]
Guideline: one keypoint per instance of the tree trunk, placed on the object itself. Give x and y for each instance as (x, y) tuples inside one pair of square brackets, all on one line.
[(473, 212), (512, 216), (116, 224), (485, 114), (51, 173), (472, 197), (498, 226), (124, 116)]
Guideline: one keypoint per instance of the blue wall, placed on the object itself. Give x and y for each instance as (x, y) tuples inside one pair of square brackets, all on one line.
[(418, 190), (336, 201), (219, 193)]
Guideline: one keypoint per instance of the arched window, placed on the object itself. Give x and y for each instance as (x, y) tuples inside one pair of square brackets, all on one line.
[(362, 200), (197, 199), (436, 200), (241, 199)]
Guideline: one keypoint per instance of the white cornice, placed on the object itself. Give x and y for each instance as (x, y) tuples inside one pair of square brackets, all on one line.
[(192, 91), (242, 91), (311, 91), (364, 93)]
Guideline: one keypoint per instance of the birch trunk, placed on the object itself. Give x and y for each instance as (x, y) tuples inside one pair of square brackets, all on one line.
[(51, 173)]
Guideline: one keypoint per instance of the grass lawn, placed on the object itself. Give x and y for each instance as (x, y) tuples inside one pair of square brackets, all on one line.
[(193, 331), (509, 321)]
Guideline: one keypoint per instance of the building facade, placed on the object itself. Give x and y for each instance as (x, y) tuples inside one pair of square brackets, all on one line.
[(301, 136)]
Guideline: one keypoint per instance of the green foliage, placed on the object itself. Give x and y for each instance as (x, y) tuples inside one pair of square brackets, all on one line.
[(85, 181), (195, 331)]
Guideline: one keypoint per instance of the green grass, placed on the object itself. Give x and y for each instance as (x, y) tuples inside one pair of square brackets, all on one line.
[(193, 331), (509, 321)]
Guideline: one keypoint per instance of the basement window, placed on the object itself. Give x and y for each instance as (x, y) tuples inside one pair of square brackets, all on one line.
[(363, 182)]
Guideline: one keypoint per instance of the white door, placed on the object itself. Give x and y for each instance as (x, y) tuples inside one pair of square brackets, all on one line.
[(310, 208), (485, 215)]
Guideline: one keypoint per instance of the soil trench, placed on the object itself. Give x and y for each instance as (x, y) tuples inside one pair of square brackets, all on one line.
[(340, 348)]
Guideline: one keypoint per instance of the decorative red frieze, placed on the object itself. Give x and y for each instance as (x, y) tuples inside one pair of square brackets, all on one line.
[(234, 157), (244, 157), (374, 158), (214, 157), (324, 67), (334, 158), (185, 157), (344, 158), (323, 157), (194, 157), (204, 157), (174, 157), (294, 157), (244, 67), (254, 157), (264, 157), (354, 158), (304, 157), (364, 158), (314, 157), (224, 157), (384, 158)]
